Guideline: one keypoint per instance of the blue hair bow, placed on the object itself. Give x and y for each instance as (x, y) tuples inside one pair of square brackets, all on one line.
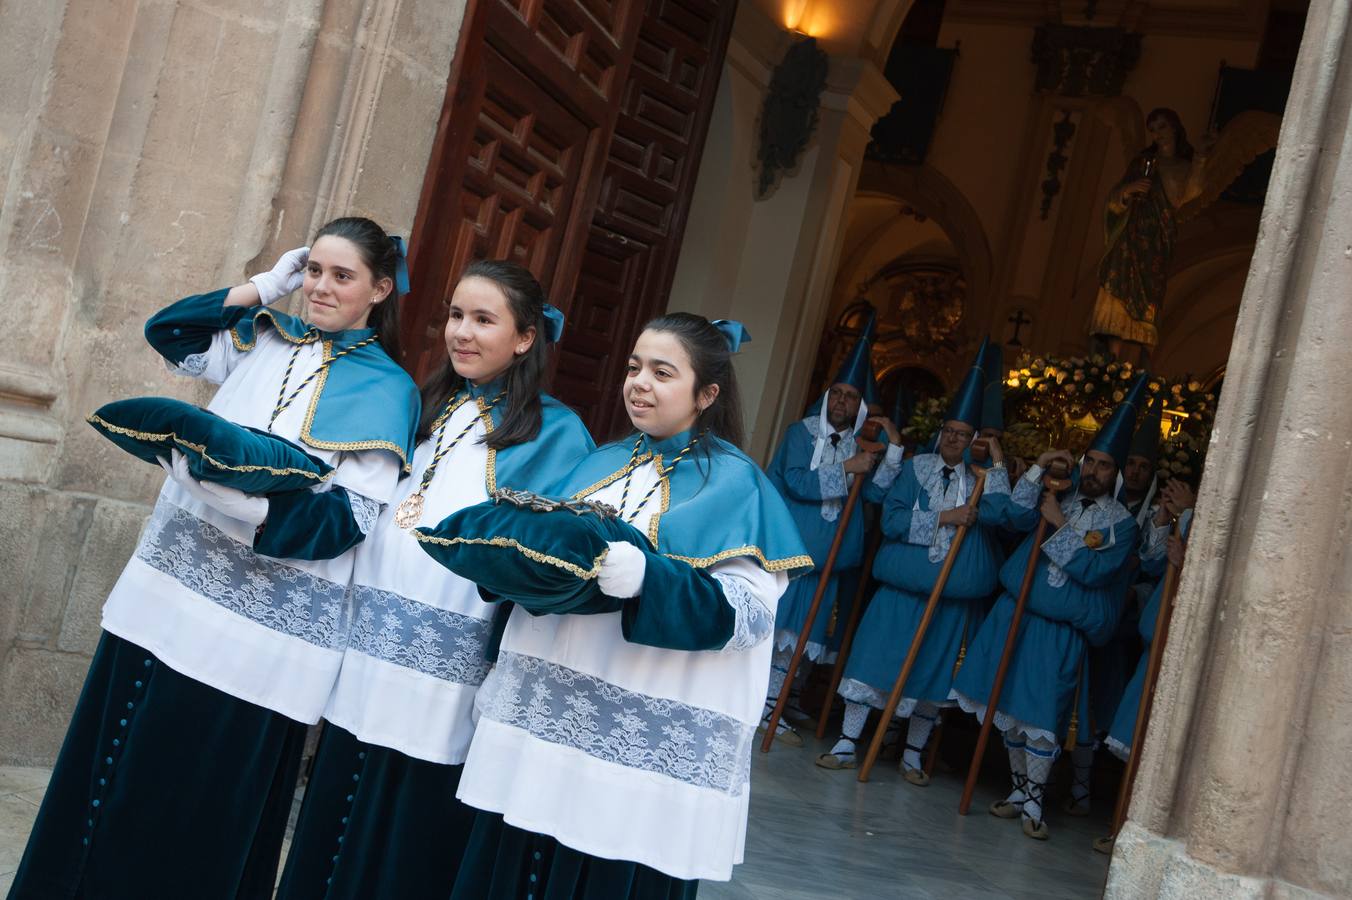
[(553, 324), (401, 265), (734, 333)]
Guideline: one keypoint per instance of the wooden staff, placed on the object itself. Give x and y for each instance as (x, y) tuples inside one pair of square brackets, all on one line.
[(875, 540), (1152, 674), (913, 652), (1057, 479), (867, 441)]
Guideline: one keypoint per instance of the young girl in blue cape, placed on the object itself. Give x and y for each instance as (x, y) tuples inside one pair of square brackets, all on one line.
[(380, 818), (612, 753), (225, 631)]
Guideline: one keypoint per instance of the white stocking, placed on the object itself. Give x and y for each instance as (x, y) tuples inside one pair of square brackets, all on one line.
[(923, 718), (779, 670), (856, 714), (1040, 754), (1018, 769)]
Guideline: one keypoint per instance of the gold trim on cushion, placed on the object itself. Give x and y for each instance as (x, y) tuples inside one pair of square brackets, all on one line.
[(528, 552), (97, 421)]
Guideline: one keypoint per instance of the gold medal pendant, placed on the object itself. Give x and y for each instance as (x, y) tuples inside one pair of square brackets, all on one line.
[(409, 513)]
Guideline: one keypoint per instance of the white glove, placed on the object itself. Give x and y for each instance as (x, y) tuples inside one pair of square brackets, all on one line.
[(287, 275), (622, 571), (234, 503)]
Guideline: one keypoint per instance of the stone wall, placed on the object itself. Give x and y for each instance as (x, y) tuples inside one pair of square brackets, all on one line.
[(149, 150), (1243, 790)]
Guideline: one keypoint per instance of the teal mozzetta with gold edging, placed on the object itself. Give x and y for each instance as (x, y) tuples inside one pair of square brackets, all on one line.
[(716, 505), (535, 465), (364, 401)]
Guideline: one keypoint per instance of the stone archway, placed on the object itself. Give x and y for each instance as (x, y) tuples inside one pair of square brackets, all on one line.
[(926, 189)]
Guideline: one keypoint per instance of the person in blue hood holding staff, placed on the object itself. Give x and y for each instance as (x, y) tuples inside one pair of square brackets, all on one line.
[(923, 510), (813, 469), (1075, 602)]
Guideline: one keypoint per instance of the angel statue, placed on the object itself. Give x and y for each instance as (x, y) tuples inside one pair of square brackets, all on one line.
[(1166, 183)]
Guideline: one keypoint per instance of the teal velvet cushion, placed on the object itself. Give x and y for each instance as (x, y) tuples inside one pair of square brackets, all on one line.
[(217, 449), (545, 560)]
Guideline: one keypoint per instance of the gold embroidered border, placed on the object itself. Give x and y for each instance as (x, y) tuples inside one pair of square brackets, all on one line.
[(663, 505), (528, 552), (769, 565), (491, 469), (307, 437), (199, 448), (240, 345)]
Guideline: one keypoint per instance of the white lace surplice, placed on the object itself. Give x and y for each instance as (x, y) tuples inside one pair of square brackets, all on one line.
[(267, 631), (416, 655), (621, 750)]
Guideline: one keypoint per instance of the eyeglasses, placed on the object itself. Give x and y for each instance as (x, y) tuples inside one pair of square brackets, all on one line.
[(958, 433)]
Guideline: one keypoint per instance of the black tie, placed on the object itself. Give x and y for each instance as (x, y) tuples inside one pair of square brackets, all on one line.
[(835, 439), (948, 477)]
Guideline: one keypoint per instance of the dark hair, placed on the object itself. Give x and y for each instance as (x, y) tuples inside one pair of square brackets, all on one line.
[(523, 415), (712, 362), (1182, 149), (381, 256)]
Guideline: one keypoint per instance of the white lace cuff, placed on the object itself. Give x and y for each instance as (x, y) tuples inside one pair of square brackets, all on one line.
[(997, 481), (889, 468), (365, 511), (1028, 491), (1154, 540), (194, 365), (1061, 547), (755, 621)]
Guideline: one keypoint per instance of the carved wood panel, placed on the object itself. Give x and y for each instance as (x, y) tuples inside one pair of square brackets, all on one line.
[(532, 99), (640, 216), (569, 141)]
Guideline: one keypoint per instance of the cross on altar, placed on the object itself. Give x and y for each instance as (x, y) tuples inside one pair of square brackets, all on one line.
[(1018, 320)]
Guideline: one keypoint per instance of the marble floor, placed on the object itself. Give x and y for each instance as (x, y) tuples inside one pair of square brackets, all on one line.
[(821, 834)]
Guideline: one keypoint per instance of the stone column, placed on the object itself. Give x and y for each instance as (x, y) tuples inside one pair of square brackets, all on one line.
[(1244, 787), (149, 150), (770, 261)]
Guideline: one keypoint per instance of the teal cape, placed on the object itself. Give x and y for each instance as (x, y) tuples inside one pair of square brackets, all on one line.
[(365, 401), (539, 464), (717, 504)]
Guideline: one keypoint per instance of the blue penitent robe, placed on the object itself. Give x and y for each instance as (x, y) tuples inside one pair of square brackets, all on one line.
[(814, 498), (1075, 602), (908, 566), (1123, 729)]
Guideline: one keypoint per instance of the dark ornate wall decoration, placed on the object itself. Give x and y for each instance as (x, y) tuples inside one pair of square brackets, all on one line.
[(1078, 61), (1062, 132), (790, 113)]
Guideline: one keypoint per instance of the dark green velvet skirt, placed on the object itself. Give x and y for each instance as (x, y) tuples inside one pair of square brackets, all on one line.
[(505, 863), (375, 823), (164, 788)]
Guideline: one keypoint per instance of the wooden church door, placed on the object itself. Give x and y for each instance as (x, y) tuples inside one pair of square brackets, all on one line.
[(569, 142)]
